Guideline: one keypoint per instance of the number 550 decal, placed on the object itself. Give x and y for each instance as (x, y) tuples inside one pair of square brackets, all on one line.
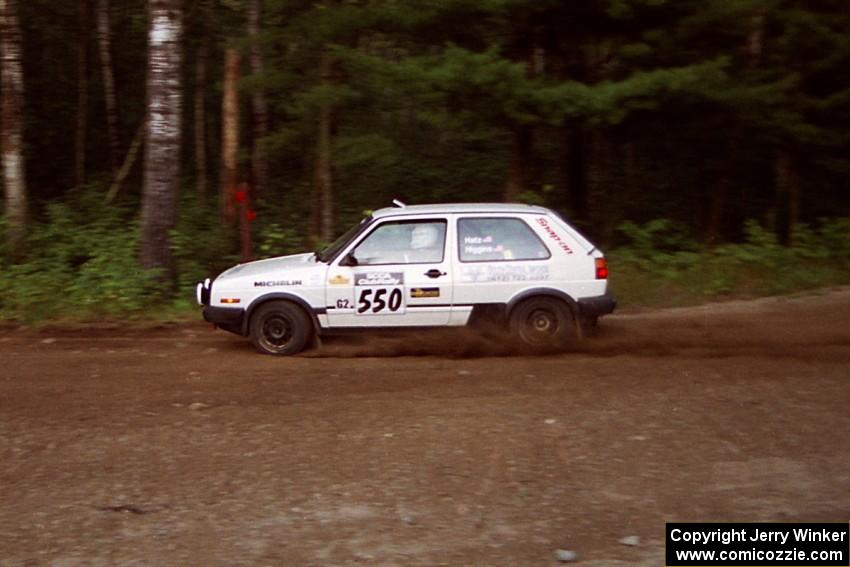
[(375, 300)]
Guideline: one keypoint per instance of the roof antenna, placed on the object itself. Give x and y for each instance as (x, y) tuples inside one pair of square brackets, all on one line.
[(398, 203)]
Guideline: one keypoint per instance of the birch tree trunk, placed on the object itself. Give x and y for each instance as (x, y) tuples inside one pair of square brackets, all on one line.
[(229, 136), (11, 137), (200, 123), (259, 107), (82, 95), (104, 42), (323, 211), (162, 142)]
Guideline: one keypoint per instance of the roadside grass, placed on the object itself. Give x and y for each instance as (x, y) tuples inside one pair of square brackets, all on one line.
[(659, 267)]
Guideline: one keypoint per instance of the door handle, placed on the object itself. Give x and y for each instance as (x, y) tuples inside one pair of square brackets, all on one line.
[(434, 273)]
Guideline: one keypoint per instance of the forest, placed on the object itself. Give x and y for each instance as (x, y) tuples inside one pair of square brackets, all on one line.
[(147, 144)]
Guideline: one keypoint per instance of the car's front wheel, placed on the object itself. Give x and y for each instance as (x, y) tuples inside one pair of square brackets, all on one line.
[(544, 324), (280, 328)]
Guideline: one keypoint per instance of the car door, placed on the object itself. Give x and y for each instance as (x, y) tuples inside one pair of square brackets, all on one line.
[(397, 275)]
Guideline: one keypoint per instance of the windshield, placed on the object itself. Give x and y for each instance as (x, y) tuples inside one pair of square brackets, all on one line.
[(337, 245)]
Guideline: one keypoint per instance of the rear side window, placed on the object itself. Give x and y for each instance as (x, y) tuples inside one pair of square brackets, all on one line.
[(498, 239)]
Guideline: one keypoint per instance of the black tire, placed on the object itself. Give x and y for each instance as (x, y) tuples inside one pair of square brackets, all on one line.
[(544, 324), (280, 328)]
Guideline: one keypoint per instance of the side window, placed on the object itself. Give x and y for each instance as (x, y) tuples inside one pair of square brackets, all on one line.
[(403, 242), (498, 239)]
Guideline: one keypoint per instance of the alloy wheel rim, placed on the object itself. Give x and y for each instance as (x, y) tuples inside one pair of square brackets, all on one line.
[(277, 332), (542, 325)]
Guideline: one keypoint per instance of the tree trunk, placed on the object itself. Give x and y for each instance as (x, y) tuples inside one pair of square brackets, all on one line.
[(200, 123), (787, 181), (322, 218), (259, 107), (229, 137), (129, 160), (573, 176), (755, 39), (725, 184), (82, 95), (599, 177), (162, 142), (526, 51), (720, 191), (623, 185), (11, 137), (104, 42), (519, 174)]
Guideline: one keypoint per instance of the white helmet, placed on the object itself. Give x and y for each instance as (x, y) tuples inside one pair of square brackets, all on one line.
[(424, 236)]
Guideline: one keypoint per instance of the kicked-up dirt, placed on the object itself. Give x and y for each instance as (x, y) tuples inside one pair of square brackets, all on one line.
[(182, 446)]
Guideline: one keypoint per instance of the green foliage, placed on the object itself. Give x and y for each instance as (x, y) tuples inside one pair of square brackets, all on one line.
[(200, 245), (203, 248), (661, 265), (82, 262)]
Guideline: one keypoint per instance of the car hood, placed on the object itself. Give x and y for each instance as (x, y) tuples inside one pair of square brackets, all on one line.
[(270, 265)]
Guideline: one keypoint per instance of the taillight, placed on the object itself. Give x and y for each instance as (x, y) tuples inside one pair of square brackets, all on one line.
[(601, 269)]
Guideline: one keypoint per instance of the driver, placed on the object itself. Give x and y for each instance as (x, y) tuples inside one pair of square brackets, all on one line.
[(425, 244)]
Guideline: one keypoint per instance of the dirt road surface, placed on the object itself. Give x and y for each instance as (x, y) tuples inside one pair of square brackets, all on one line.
[(181, 446)]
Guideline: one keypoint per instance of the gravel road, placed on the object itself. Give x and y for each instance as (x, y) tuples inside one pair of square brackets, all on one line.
[(181, 446)]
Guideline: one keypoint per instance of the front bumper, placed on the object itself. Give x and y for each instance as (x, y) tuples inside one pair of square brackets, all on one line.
[(227, 318), (593, 307)]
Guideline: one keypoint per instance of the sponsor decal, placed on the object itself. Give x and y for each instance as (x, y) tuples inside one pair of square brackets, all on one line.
[(339, 279), (379, 293), (425, 292), (478, 245), (277, 283), (375, 300), (554, 235), (379, 278), (509, 273)]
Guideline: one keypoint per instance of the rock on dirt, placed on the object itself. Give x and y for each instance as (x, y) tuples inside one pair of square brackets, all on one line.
[(565, 555)]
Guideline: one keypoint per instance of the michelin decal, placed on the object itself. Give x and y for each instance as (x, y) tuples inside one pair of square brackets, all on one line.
[(277, 283)]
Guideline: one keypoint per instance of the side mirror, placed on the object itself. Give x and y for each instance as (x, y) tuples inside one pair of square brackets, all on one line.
[(349, 260)]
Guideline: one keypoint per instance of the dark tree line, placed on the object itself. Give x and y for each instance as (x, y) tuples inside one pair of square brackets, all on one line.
[(708, 112)]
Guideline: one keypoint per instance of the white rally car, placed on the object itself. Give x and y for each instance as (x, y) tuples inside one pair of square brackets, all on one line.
[(519, 266)]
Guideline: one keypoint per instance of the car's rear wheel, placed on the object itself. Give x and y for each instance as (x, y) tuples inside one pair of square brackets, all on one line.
[(280, 328), (544, 324)]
